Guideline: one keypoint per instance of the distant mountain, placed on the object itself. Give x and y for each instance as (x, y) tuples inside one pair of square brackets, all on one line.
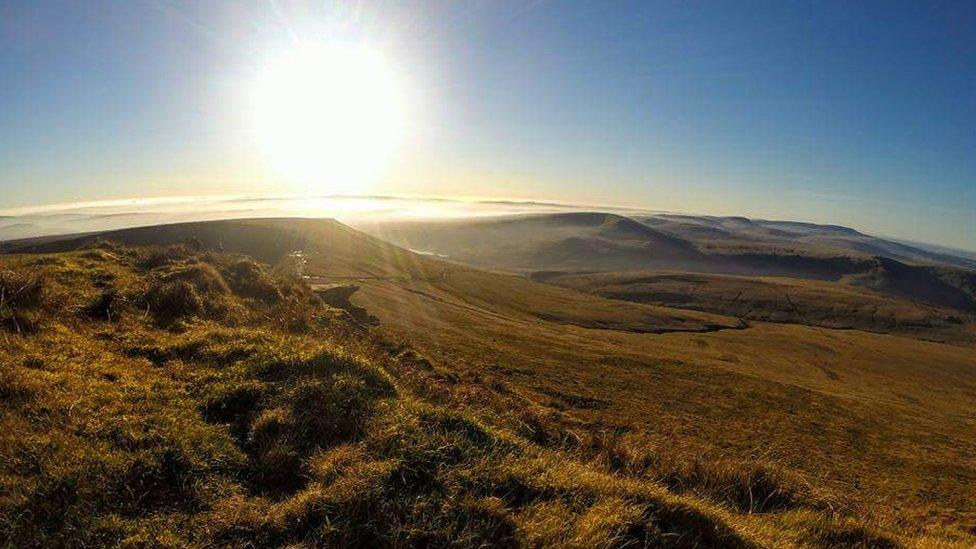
[(605, 242), (577, 240), (731, 234), (968, 255)]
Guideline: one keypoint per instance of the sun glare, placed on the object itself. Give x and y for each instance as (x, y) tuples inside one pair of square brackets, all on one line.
[(328, 117)]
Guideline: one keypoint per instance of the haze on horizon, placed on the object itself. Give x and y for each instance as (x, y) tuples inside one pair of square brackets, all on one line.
[(859, 115)]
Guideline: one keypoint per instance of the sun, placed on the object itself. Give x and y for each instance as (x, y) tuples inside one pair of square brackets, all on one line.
[(328, 117)]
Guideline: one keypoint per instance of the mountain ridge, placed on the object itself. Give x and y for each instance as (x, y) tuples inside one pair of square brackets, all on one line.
[(594, 241)]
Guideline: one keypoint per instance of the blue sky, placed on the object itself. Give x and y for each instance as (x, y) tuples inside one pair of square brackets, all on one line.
[(859, 113)]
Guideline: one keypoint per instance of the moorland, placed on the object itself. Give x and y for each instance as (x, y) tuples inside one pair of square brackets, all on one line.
[(599, 381)]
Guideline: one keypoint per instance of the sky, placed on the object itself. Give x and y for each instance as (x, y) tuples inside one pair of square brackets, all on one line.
[(854, 113)]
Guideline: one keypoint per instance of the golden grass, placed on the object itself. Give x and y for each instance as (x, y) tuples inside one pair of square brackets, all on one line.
[(227, 427)]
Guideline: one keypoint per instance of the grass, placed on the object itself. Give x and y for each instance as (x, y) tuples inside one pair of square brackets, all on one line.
[(21, 296), (265, 419), (846, 412)]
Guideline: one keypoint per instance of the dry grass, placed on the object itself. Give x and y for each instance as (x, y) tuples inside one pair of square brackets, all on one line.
[(233, 429), (249, 279), (757, 419), (272, 422), (844, 421), (21, 296)]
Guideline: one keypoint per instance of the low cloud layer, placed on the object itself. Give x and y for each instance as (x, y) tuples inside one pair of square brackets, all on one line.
[(108, 215)]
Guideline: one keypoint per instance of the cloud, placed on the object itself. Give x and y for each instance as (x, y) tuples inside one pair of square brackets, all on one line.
[(78, 217)]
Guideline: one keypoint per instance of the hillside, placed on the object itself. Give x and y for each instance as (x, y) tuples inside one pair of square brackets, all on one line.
[(168, 396), (603, 242), (352, 255), (174, 395), (787, 419), (848, 408), (579, 240), (740, 233)]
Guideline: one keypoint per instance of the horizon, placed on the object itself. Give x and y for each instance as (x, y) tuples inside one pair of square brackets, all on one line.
[(828, 114), (134, 212)]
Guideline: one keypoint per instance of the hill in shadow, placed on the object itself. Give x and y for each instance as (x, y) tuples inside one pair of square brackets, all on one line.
[(602, 242)]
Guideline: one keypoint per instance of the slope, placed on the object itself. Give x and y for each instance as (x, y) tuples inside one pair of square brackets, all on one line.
[(579, 240), (351, 255), (876, 427), (174, 397)]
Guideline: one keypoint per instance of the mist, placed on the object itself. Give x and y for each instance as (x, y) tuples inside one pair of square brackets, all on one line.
[(84, 217)]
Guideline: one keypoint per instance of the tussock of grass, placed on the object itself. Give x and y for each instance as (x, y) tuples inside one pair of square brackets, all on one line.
[(107, 306), (758, 488), (159, 256), (21, 295), (187, 290), (200, 416), (250, 279), (439, 479), (21, 289)]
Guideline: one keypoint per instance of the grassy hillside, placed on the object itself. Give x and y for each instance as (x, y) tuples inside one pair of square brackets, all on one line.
[(568, 241), (821, 402), (168, 396), (234, 407), (879, 423)]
